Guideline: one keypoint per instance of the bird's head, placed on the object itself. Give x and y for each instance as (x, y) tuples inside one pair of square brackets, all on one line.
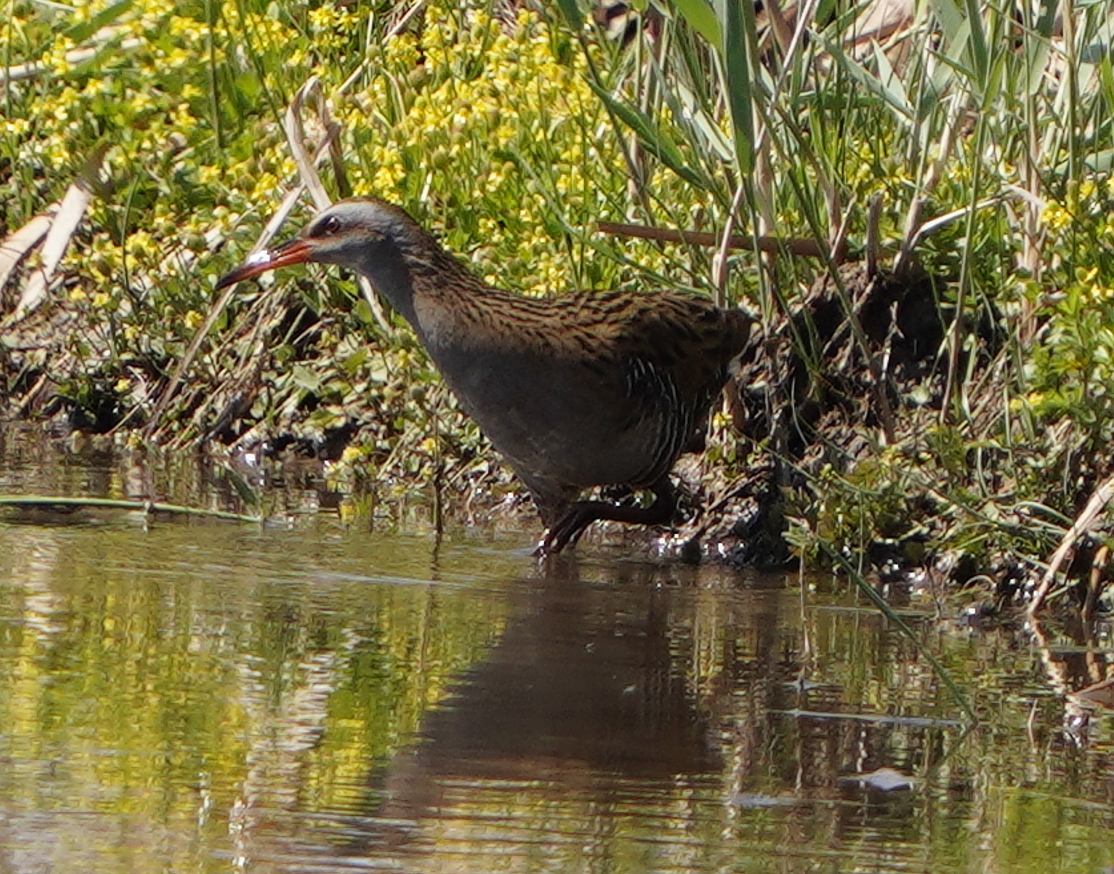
[(363, 234)]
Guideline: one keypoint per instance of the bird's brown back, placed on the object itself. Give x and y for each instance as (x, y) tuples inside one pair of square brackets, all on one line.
[(616, 384)]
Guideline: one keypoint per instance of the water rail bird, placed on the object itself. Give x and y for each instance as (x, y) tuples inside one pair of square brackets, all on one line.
[(595, 388)]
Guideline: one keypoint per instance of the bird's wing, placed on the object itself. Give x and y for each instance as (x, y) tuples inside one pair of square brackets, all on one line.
[(686, 338)]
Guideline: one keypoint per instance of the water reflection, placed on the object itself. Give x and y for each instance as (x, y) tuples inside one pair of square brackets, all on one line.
[(623, 716), (221, 698), (580, 710)]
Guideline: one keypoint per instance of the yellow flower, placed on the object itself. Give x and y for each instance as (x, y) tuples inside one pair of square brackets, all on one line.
[(16, 127), (1084, 276), (1054, 216)]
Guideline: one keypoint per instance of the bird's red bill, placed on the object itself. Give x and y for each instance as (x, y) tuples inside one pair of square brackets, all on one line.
[(296, 251)]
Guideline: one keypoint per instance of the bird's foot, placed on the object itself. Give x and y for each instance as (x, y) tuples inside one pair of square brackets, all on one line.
[(581, 514), (567, 529)]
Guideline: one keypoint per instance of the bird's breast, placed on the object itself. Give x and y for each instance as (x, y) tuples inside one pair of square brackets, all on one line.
[(565, 420)]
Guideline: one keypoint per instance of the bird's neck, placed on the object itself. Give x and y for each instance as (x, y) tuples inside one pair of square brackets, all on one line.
[(422, 280)]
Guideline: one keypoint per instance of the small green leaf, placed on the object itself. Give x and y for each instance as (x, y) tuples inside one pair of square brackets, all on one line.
[(305, 378), (355, 361), (81, 32)]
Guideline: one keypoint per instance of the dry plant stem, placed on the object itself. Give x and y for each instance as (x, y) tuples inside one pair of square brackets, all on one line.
[(873, 218), (30, 397), (19, 242), (913, 217), (295, 132), (68, 217), (763, 185), (307, 169), (877, 375), (778, 25), (261, 318), (398, 27), (1055, 668), (1083, 523), (878, 380), (952, 383), (942, 221), (73, 58), (719, 261), (289, 201), (804, 16), (1094, 588), (874, 362), (807, 248), (187, 359), (1033, 229), (839, 235), (764, 174)]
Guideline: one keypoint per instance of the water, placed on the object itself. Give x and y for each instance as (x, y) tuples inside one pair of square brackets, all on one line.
[(219, 698)]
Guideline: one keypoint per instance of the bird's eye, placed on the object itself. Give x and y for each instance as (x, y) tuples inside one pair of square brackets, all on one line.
[(331, 226)]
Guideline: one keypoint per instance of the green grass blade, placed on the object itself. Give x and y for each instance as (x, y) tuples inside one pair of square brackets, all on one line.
[(701, 18), (653, 137), (570, 9), (978, 43), (883, 605), (891, 93), (737, 64)]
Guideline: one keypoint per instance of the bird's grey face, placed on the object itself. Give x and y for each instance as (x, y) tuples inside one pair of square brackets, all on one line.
[(347, 233), (350, 233)]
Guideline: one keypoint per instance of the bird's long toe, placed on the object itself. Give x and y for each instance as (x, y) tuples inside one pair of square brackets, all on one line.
[(567, 529)]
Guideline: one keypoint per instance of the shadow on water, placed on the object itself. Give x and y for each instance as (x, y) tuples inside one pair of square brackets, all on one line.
[(210, 697)]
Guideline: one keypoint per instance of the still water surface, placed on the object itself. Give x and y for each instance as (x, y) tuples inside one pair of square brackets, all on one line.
[(221, 698)]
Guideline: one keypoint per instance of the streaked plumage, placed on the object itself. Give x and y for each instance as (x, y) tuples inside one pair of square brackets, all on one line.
[(589, 389)]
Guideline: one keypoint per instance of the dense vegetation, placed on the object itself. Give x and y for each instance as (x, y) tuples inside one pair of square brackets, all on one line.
[(960, 399)]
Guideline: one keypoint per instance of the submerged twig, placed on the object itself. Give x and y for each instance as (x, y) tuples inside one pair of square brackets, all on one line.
[(46, 503)]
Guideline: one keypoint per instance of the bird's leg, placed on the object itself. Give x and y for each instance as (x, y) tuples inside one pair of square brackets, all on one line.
[(581, 514)]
